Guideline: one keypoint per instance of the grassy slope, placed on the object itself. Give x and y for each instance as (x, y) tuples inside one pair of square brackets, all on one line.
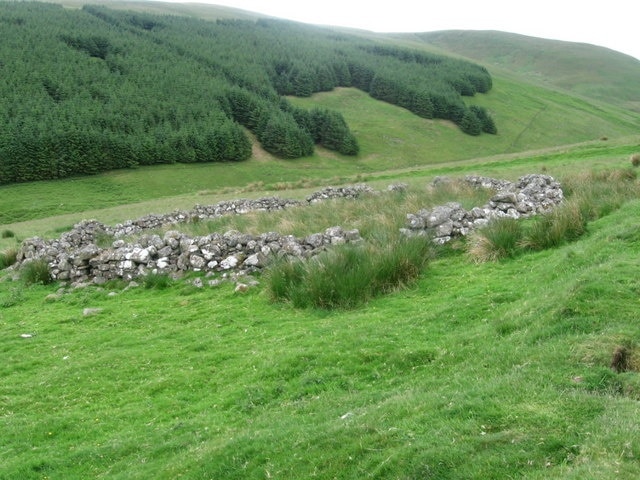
[(528, 116), (587, 70), (479, 371)]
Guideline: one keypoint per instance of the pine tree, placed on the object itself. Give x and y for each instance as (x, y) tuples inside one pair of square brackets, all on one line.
[(470, 124)]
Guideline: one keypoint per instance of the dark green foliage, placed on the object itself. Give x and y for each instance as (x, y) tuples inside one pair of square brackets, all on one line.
[(488, 125), (95, 46), (94, 89), (7, 234), (282, 136), (470, 123), (326, 127)]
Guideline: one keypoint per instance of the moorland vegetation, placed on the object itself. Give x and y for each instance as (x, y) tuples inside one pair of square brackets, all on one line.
[(505, 350)]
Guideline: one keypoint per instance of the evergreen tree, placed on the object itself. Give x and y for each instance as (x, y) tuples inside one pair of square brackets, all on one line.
[(488, 125), (470, 123), (93, 89)]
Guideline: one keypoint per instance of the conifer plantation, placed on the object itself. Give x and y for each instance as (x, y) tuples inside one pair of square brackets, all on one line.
[(95, 89)]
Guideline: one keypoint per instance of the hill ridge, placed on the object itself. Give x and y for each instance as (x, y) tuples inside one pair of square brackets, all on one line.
[(591, 71)]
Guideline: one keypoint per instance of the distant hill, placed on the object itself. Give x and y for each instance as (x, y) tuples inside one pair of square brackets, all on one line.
[(588, 70)]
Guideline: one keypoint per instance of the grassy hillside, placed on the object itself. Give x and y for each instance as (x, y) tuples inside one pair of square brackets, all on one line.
[(87, 106), (590, 71), (99, 89), (477, 371), (391, 138)]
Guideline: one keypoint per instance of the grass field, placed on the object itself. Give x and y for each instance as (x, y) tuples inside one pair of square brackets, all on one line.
[(393, 143), (492, 370)]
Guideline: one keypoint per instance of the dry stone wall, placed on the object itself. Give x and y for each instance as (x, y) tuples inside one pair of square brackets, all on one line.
[(530, 195), (174, 252), (75, 256)]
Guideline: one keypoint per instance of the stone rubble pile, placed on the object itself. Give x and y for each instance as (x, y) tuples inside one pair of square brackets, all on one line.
[(348, 191), (175, 252), (75, 256), (530, 195)]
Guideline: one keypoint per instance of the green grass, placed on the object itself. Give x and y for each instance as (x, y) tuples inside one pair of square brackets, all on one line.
[(565, 65), (36, 272), (475, 371), (8, 257), (591, 195), (348, 276), (492, 370), (501, 238)]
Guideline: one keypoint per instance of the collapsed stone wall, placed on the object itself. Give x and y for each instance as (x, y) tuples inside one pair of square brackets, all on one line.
[(175, 252), (75, 256), (530, 195), (201, 212)]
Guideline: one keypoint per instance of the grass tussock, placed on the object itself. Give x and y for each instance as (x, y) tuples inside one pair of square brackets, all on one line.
[(598, 193), (635, 159), (36, 272), (564, 224), (7, 234), (348, 276), (500, 239), (8, 257), (157, 281)]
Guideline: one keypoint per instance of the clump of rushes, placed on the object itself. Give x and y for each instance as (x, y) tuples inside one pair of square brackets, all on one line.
[(8, 257), (565, 223), (36, 272), (348, 276), (7, 234), (501, 238), (157, 281)]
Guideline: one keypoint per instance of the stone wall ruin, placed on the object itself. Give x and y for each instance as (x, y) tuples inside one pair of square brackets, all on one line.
[(530, 195), (75, 256)]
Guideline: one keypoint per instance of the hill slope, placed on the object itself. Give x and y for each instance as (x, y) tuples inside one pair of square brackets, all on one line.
[(98, 88), (494, 370), (590, 71)]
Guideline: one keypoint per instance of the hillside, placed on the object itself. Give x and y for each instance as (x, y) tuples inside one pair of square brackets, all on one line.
[(99, 89), (87, 105), (476, 371), (588, 70)]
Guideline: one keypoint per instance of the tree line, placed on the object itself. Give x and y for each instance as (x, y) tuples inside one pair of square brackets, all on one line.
[(95, 89)]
